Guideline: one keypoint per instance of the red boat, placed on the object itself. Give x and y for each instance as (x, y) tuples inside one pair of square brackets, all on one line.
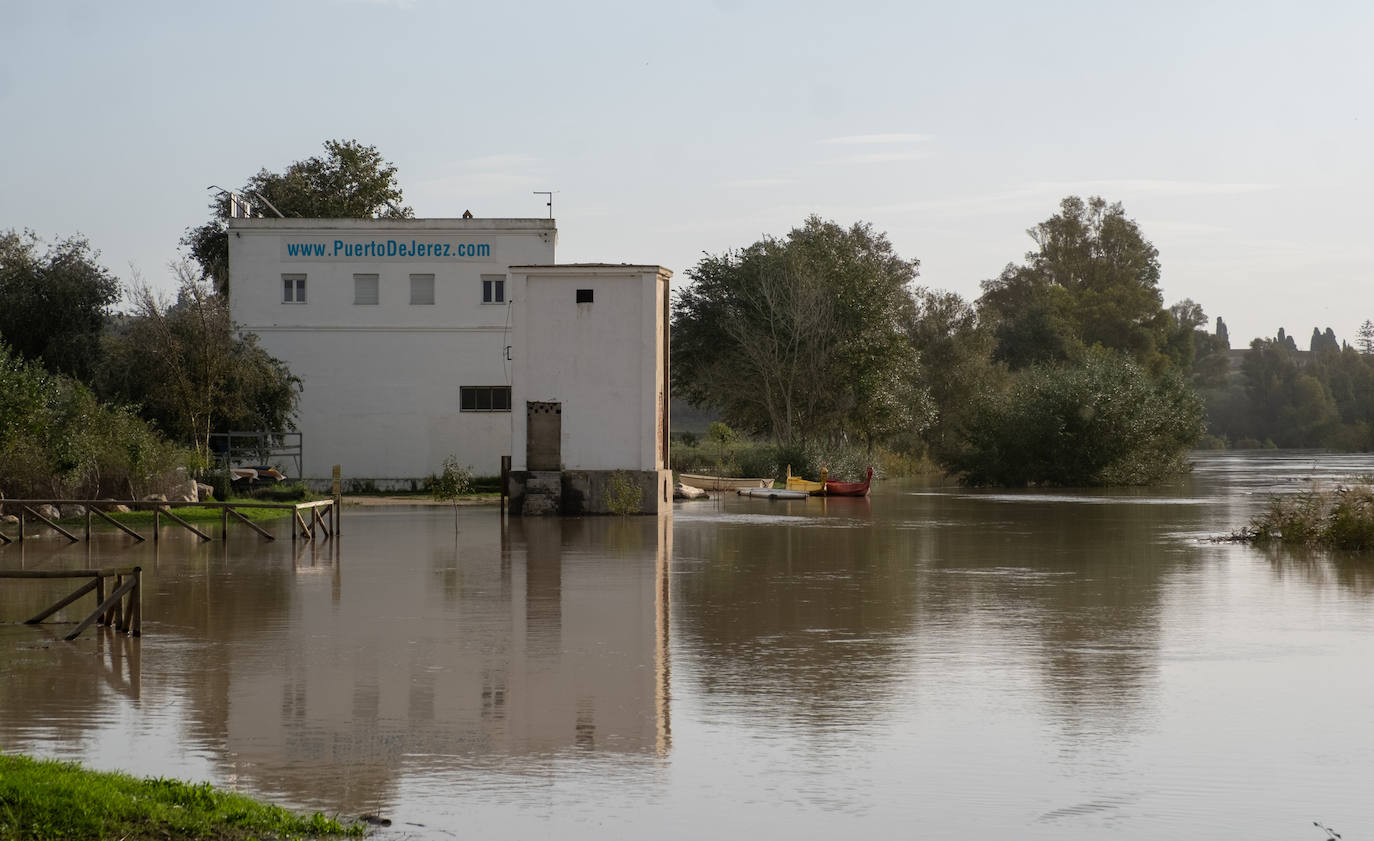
[(833, 488)]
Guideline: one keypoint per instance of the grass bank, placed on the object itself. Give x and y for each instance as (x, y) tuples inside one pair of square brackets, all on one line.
[(43, 799)]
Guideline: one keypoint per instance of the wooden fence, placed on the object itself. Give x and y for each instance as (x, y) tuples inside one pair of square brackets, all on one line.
[(308, 517), (122, 609)]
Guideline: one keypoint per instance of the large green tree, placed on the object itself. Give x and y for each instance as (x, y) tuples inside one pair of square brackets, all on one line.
[(350, 181), (1092, 280), (802, 338), (54, 301), (190, 372)]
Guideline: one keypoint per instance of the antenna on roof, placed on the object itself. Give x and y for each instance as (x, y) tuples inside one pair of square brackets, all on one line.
[(548, 193)]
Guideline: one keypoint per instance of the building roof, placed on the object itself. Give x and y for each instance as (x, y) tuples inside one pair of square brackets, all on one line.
[(431, 224)]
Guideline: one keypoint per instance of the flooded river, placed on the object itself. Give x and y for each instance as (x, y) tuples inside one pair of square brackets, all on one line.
[(931, 662)]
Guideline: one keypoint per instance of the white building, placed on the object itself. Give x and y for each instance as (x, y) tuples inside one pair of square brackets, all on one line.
[(415, 338)]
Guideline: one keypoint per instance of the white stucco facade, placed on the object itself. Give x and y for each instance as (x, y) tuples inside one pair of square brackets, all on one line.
[(603, 361), (385, 323)]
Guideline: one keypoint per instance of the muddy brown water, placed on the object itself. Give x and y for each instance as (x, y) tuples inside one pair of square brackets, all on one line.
[(929, 662)]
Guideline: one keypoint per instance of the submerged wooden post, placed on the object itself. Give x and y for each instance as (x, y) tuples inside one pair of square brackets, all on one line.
[(338, 497), (505, 477)]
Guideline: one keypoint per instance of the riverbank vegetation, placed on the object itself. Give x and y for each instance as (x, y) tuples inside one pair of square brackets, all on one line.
[(42, 800), (1068, 370), (1339, 518), (58, 441)]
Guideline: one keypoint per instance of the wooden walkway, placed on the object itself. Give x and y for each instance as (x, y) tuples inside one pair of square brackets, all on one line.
[(309, 518)]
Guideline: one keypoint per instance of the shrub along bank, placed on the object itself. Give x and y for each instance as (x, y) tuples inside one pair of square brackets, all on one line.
[(58, 441)]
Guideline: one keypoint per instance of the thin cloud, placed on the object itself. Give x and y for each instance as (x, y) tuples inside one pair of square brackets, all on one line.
[(759, 182), (880, 157), (1155, 187), (871, 139)]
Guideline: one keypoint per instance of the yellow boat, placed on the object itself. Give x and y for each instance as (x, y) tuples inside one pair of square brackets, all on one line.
[(796, 483)]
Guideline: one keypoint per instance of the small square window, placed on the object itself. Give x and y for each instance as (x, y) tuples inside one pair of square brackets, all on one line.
[(584, 296), (365, 289), (421, 289), (493, 289), (293, 289)]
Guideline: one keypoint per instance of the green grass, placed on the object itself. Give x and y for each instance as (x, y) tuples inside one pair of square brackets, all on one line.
[(189, 513), (42, 800)]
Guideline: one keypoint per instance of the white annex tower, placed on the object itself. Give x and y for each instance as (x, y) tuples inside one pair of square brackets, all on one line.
[(415, 339)]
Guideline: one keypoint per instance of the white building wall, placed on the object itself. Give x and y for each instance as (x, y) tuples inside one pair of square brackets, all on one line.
[(605, 362), (381, 382)]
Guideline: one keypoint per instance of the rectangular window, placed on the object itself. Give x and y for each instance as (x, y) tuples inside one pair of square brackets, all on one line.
[(421, 289), (293, 289), (493, 289), (584, 296), (365, 291), (484, 398)]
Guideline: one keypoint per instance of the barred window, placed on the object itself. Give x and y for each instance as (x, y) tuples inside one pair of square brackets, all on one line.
[(484, 398)]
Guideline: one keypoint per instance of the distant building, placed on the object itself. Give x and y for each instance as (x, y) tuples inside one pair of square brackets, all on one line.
[(415, 339)]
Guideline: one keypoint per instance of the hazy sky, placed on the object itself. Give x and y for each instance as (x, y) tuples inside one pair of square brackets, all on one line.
[(1239, 135)]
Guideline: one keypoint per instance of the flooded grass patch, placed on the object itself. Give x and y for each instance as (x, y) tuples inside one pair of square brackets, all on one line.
[(43, 799), (1341, 518)]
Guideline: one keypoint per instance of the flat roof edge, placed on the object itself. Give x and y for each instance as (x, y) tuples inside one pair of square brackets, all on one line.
[(431, 223)]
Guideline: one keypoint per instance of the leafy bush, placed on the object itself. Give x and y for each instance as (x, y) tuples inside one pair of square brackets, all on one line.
[(1103, 421), (623, 496), (58, 440)]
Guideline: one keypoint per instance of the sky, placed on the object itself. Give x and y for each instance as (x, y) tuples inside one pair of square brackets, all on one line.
[(1239, 136)]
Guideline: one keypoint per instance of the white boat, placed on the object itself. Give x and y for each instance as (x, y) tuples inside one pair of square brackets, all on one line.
[(772, 493), (721, 483)]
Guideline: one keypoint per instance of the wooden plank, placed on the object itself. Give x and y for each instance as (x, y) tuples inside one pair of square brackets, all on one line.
[(73, 538), (140, 538), (105, 607), (304, 531), (80, 591), (67, 573), (203, 535), (259, 529)]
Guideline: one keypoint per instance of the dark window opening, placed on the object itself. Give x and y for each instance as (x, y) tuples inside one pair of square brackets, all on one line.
[(484, 398), (584, 296)]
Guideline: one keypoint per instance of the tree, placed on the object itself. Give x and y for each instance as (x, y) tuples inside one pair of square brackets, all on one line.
[(955, 360), (1093, 280), (351, 181), (1104, 421), (1365, 338), (454, 480), (190, 371), (801, 338), (56, 301)]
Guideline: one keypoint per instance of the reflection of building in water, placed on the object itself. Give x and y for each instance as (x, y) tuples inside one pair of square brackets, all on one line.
[(544, 637)]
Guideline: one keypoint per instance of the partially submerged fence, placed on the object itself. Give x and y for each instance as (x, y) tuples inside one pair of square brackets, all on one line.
[(122, 609), (307, 517)]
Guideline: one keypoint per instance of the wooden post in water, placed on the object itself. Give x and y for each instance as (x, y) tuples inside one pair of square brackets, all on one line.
[(505, 478), (338, 495)]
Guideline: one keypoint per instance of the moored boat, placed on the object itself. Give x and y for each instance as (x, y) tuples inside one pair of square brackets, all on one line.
[(772, 493), (849, 488), (721, 483), (797, 483)]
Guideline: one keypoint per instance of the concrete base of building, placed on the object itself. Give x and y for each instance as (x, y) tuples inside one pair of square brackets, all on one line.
[(572, 493)]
